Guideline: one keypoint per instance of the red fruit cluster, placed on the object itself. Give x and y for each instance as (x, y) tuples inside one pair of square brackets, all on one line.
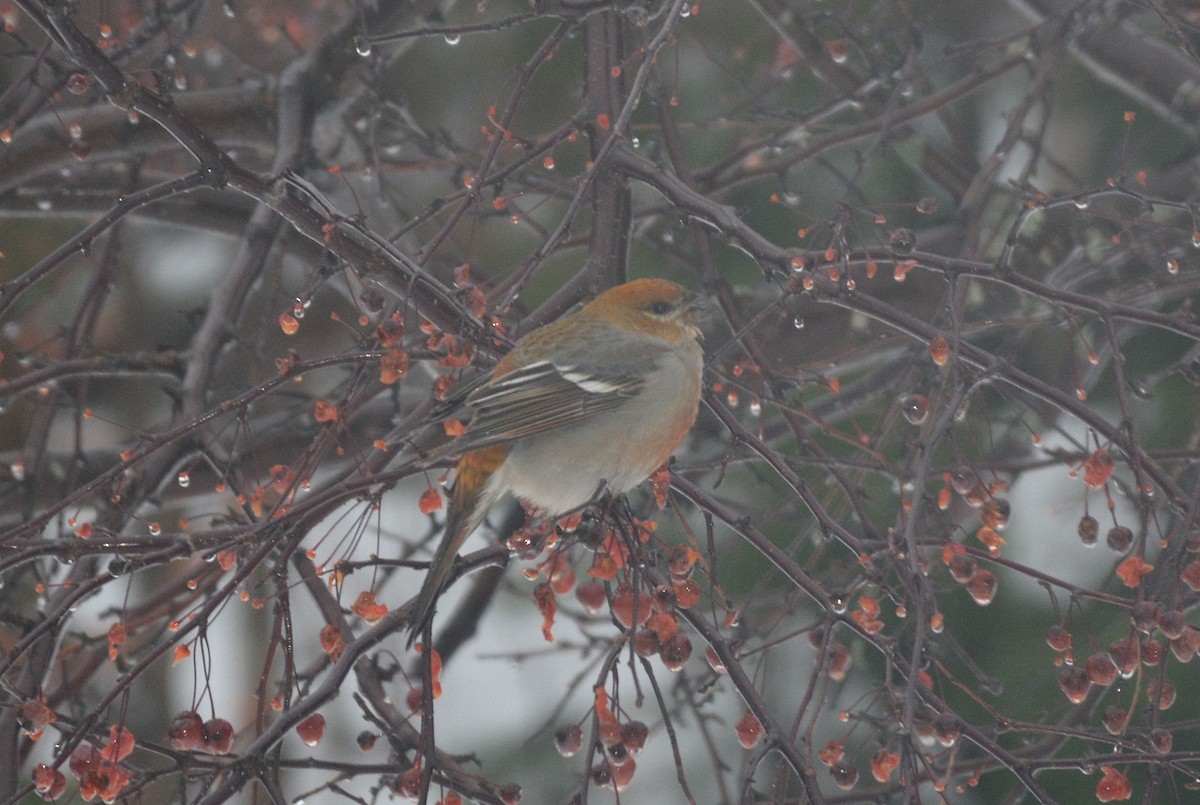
[(98, 775), (188, 733), (619, 744)]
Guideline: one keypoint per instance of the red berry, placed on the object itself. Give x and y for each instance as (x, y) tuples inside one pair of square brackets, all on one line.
[(187, 731), (311, 729)]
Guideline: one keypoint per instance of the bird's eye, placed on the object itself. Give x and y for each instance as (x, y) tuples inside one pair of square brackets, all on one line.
[(660, 308)]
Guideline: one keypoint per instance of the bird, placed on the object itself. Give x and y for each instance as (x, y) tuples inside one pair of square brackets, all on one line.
[(593, 401)]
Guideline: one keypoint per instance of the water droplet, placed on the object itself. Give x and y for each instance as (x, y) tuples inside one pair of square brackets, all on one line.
[(1138, 389), (75, 130), (915, 408), (184, 479), (155, 529), (636, 142), (78, 83), (362, 46), (453, 39), (755, 407), (1172, 266), (1083, 203), (798, 323), (228, 10), (17, 468), (961, 412), (902, 241), (686, 11)]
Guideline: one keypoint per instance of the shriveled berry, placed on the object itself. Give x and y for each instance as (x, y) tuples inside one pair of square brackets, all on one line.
[(1161, 740), (591, 595), (1186, 645), (628, 604), (982, 586), (1089, 530), (1115, 719), (1074, 683), (568, 740), (634, 735), (186, 732), (1058, 638), (844, 775), (1124, 653), (1101, 669), (1144, 616), (1152, 652), (946, 729), (961, 567), (1171, 623), (217, 738), (1163, 696), (675, 651), (1119, 538), (311, 729), (645, 643), (749, 731)]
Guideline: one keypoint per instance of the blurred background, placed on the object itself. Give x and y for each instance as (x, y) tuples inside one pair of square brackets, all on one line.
[(938, 514)]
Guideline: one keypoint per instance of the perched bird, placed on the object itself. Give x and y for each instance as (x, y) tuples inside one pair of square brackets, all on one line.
[(596, 400)]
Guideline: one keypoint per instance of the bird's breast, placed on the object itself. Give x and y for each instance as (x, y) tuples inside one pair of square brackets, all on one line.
[(563, 469)]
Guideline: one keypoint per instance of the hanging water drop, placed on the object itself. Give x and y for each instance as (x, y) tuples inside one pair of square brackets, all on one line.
[(915, 408), (453, 39), (362, 46)]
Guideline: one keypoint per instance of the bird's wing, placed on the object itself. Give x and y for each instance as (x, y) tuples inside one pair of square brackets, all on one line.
[(539, 397)]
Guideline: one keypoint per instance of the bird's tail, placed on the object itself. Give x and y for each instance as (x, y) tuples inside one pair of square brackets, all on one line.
[(469, 501)]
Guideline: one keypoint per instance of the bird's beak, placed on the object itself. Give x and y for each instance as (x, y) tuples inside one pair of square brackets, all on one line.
[(696, 313), (697, 310)]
